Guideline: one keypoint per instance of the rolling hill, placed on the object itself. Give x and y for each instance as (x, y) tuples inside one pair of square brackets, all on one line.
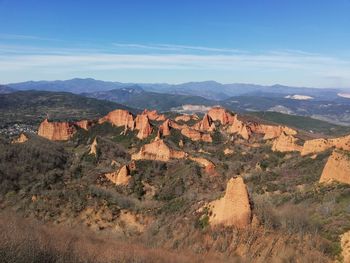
[(136, 97), (211, 90), (31, 107), (6, 90)]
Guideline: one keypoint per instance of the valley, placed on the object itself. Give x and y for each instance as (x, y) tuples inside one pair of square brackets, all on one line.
[(226, 185)]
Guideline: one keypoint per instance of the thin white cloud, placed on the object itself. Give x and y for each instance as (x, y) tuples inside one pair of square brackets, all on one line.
[(25, 37), (172, 47), (285, 65)]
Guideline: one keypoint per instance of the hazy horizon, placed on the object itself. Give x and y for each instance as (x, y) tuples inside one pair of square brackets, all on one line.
[(178, 83)]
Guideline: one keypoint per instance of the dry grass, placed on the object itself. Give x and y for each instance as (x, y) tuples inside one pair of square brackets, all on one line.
[(25, 240)]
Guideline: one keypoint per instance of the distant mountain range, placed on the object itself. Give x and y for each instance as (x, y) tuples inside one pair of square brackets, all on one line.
[(137, 97), (332, 105), (6, 90), (208, 89)]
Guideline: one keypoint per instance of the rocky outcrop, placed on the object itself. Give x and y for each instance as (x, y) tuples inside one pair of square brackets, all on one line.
[(164, 129), (144, 127), (206, 137), (177, 126), (320, 145), (208, 166), (21, 139), (286, 143), (186, 117), (345, 245), (239, 127), (119, 118), (228, 151), (153, 115), (195, 135), (181, 143), (234, 208), (246, 129), (56, 131), (93, 147), (337, 168), (220, 114), (206, 124), (84, 124), (271, 131), (121, 177), (157, 151)]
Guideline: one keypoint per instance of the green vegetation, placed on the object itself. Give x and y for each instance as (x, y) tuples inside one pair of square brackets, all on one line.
[(31, 107), (303, 123)]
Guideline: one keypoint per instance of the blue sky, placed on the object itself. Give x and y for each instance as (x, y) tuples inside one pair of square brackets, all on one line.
[(292, 42)]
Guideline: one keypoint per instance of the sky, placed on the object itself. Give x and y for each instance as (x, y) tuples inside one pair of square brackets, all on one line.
[(290, 42)]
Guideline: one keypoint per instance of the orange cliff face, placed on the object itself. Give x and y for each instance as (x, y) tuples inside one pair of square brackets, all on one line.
[(234, 208), (345, 245), (337, 168), (144, 127), (271, 131), (220, 114), (320, 145), (246, 129), (153, 115), (93, 147), (56, 131), (121, 177), (206, 124), (286, 143), (164, 129), (21, 139), (158, 151), (196, 135), (186, 117), (84, 124), (119, 118), (240, 128)]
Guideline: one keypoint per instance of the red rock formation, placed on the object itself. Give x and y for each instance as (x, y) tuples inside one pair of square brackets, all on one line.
[(206, 137), (56, 131), (240, 128), (177, 126), (21, 139), (192, 134), (221, 115), (159, 151), (345, 245), (144, 127), (181, 143), (196, 135), (228, 151), (342, 143), (121, 177), (186, 117), (84, 124), (164, 129), (119, 118), (320, 145), (234, 208), (93, 147), (208, 165), (206, 124), (337, 168), (271, 131), (286, 143), (153, 115)]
